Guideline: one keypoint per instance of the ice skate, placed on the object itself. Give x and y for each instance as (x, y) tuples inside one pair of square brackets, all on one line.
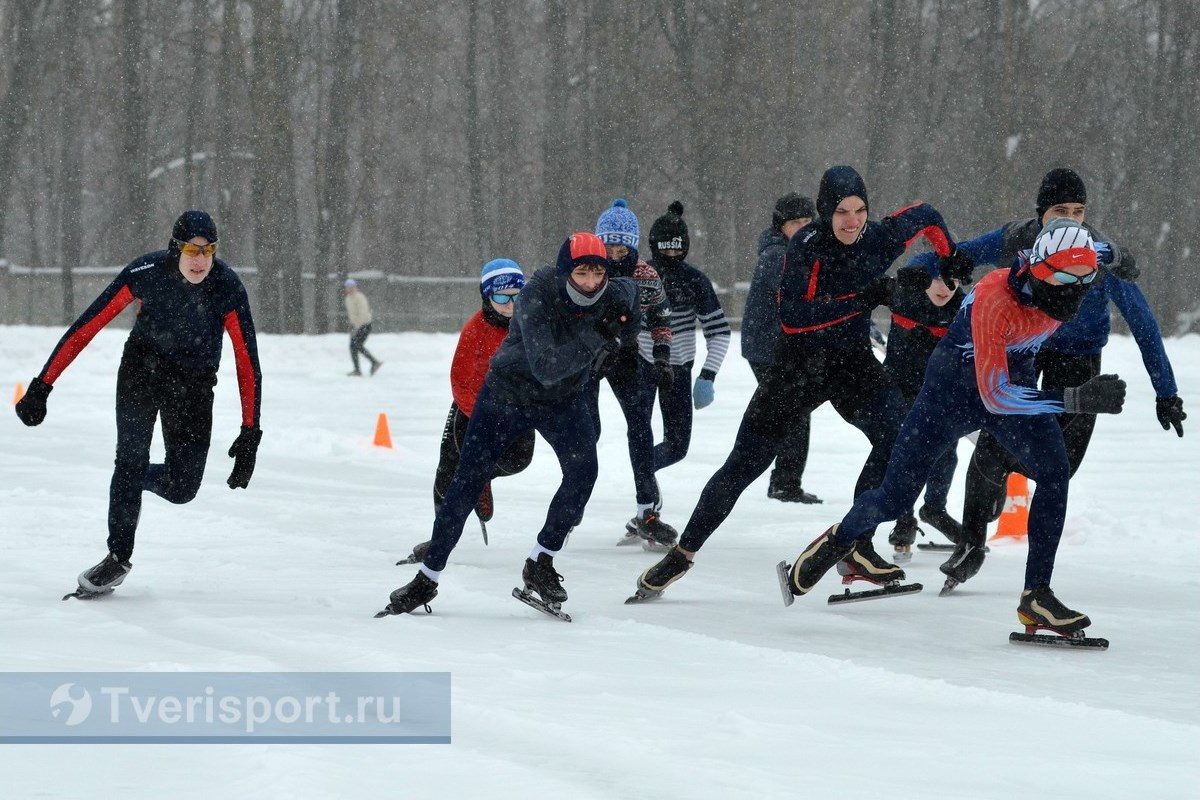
[(787, 489), (902, 537), (817, 559), (946, 525), (1040, 610), (416, 556), (375, 365), (543, 587), (654, 534), (102, 578), (654, 581), (864, 564), (413, 595), (961, 566)]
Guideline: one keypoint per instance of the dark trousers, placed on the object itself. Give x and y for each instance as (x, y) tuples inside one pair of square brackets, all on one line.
[(937, 488), (793, 444), (947, 409), (851, 379), (633, 385), (357, 345), (991, 463), (149, 388), (675, 405), (495, 424), (515, 459)]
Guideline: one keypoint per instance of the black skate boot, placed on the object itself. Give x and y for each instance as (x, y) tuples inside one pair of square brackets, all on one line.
[(654, 581), (817, 559), (786, 488), (416, 593), (1039, 609), (902, 537), (540, 578), (945, 524), (656, 535), (102, 578), (416, 556), (962, 565)]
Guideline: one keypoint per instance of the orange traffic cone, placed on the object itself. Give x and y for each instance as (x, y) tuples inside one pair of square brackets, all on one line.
[(383, 436), (19, 393), (1014, 520)]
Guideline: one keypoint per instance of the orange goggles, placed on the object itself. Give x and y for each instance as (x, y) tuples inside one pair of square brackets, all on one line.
[(189, 249)]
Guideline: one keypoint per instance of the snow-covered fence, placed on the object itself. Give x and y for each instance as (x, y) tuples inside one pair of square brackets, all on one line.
[(33, 296)]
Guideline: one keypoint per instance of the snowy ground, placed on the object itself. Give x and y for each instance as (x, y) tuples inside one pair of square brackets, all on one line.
[(717, 690)]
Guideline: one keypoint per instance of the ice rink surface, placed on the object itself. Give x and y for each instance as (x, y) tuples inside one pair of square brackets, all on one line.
[(716, 690)]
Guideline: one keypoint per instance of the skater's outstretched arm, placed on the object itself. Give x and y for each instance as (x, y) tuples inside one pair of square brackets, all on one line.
[(240, 327), (102, 311)]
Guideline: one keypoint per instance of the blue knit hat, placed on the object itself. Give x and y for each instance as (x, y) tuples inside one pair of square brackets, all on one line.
[(500, 274), (618, 225)]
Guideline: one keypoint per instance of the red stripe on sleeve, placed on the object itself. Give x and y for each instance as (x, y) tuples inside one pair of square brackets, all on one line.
[(941, 245), (812, 280), (245, 370), (820, 326), (85, 333), (908, 324)]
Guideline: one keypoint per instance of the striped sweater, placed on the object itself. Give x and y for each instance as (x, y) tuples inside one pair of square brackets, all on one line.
[(693, 301)]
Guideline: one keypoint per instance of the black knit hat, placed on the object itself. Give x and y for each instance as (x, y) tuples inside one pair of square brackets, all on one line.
[(837, 184), (191, 224), (1060, 185), (670, 232), (792, 206)]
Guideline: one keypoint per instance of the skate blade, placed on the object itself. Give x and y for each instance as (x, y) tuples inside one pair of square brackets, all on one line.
[(1059, 640), (948, 587), (483, 530), (628, 539), (86, 594), (534, 602), (408, 560), (937, 547), (643, 595), (875, 594), (901, 556), (783, 571), (656, 547)]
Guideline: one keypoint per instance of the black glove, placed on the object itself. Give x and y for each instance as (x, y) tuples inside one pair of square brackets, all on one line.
[(664, 376), (1103, 394), (611, 320), (1126, 266), (32, 407), (913, 279), (244, 451), (956, 267), (922, 339), (605, 357), (877, 293), (1170, 412)]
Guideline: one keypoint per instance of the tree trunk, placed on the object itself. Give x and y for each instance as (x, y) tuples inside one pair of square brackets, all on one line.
[(70, 190)]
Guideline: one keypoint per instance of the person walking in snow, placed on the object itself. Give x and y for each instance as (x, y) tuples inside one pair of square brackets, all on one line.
[(187, 297), (358, 310)]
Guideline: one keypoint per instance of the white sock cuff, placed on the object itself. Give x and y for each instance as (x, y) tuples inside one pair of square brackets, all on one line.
[(433, 575), (538, 550)]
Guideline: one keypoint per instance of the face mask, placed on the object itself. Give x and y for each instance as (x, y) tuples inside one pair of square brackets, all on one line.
[(1060, 302), (670, 262), (581, 298)]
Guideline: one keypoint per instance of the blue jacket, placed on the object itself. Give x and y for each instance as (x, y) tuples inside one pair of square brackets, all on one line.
[(819, 304), (760, 320), (552, 345), (1088, 332)]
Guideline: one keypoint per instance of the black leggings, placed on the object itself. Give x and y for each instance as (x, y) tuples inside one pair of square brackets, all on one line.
[(990, 465), (358, 345), (792, 456), (148, 387), (515, 459), (859, 390)]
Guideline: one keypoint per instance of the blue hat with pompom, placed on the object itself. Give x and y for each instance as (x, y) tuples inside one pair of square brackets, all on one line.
[(618, 225), (500, 274)]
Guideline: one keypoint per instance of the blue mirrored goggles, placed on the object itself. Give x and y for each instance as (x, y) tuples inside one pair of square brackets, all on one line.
[(1066, 278), (502, 299)]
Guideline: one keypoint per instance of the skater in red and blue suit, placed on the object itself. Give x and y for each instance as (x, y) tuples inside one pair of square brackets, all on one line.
[(187, 299), (981, 377), (833, 277)]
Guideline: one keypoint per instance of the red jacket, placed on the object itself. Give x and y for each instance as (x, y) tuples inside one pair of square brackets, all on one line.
[(477, 343)]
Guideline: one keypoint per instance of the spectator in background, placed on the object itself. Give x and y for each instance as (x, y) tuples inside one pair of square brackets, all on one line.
[(359, 312)]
